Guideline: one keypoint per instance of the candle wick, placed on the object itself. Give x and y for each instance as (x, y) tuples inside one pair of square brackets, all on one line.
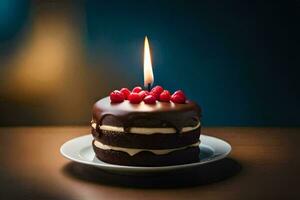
[(149, 87)]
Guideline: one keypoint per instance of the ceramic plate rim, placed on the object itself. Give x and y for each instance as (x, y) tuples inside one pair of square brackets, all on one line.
[(106, 166)]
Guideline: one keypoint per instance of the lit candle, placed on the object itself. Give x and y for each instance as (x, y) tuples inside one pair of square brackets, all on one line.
[(148, 72)]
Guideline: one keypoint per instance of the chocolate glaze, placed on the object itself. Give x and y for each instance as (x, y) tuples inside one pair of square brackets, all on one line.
[(161, 114)]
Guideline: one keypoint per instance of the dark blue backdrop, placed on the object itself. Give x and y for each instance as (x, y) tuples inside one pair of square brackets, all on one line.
[(239, 60)]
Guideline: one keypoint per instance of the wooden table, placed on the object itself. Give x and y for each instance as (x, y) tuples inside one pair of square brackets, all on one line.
[(264, 164)]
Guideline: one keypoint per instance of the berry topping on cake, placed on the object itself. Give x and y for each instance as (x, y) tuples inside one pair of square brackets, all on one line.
[(149, 99), (137, 89), (138, 95), (178, 97), (134, 98), (125, 92), (179, 92), (143, 93), (165, 96), (116, 97), (156, 91)]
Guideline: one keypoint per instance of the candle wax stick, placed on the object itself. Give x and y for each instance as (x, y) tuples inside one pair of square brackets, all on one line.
[(149, 87)]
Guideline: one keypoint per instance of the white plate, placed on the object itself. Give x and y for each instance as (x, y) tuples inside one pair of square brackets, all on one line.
[(80, 150)]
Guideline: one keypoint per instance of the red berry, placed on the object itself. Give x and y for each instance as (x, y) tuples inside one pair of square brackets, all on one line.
[(134, 97), (165, 96), (178, 98), (125, 92), (150, 99), (156, 95), (116, 96), (143, 93), (157, 89), (179, 92), (137, 89)]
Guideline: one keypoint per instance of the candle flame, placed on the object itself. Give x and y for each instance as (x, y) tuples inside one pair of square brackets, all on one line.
[(148, 72)]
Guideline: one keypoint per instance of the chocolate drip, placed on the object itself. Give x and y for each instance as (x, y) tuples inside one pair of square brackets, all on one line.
[(162, 114)]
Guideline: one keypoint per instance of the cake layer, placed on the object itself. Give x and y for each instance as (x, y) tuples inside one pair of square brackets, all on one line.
[(153, 141), (147, 158), (159, 115), (144, 130), (134, 151)]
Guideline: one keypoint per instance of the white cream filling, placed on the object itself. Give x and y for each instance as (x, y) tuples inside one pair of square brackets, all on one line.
[(94, 125), (132, 152), (144, 130)]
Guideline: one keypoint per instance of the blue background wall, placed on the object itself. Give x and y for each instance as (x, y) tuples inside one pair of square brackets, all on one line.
[(238, 59)]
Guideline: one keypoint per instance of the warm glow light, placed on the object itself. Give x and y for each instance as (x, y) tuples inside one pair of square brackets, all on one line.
[(148, 72)]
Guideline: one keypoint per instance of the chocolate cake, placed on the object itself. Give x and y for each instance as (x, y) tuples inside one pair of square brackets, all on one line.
[(140, 134)]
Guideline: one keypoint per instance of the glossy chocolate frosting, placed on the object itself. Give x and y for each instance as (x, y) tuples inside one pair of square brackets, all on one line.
[(161, 114)]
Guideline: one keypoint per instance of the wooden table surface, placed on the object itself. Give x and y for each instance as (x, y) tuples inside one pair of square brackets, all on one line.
[(264, 164)]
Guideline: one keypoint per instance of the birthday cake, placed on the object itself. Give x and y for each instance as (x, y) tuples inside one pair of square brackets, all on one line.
[(141, 128)]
